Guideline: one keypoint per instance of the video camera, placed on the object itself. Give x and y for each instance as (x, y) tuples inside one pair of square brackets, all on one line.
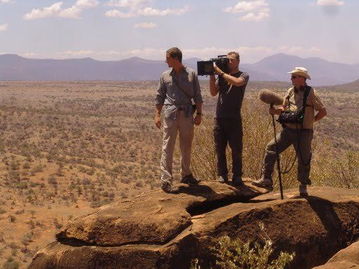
[(206, 67)]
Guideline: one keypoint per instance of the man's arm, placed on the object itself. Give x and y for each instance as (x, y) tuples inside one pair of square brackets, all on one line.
[(318, 106), (199, 108), (213, 87), (158, 116), (160, 98), (198, 118), (321, 114), (233, 80), (198, 100), (240, 81)]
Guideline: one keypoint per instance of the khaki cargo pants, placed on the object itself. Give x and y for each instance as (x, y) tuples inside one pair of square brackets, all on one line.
[(301, 139), (185, 127)]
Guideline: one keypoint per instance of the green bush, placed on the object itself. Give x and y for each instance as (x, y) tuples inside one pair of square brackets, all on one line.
[(235, 254), (340, 169)]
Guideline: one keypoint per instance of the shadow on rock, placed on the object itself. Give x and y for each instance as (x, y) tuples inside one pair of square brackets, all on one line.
[(326, 213), (196, 190), (333, 225)]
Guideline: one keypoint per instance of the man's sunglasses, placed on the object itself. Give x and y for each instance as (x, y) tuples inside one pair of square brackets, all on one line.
[(294, 77)]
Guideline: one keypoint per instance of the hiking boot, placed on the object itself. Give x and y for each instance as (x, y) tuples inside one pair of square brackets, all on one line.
[(303, 190), (166, 186), (223, 179), (265, 183), (190, 180), (237, 181)]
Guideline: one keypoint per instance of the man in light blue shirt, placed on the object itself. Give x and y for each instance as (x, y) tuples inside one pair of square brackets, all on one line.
[(177, 88)]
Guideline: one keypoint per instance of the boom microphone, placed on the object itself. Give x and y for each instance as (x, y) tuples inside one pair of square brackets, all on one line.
[(270, 97)]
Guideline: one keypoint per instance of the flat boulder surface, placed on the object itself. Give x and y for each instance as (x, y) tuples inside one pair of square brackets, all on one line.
[(154, 217), (160, 230), (344, 259)]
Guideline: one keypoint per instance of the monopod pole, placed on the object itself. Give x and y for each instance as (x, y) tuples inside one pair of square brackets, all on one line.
[(278, 159)]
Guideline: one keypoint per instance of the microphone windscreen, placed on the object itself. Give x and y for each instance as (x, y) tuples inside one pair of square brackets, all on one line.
[(270, 97)]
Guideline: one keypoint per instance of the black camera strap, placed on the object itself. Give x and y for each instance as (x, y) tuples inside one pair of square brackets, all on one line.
[(174, 79), (179, 87), (299, 132)]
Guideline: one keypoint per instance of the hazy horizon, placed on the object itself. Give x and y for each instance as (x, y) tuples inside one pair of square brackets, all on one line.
[(149, 59)]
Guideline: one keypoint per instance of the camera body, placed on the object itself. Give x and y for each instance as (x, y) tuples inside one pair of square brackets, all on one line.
[(206, 67)]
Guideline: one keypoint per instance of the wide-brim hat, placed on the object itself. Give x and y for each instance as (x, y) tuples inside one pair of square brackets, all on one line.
[(300, 71)]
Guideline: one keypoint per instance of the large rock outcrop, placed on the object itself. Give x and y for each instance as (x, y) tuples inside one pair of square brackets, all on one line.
[(347, 258), (159, 230)]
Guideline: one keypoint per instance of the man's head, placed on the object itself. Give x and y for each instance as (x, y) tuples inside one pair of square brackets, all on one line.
[(299, 76), (173, 56), (234, 60)]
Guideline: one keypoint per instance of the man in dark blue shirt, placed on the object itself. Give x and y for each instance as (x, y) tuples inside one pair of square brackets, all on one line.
[(230, 88)]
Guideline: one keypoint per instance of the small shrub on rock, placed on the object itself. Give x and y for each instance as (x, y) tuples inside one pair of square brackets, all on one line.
[(234, 254)]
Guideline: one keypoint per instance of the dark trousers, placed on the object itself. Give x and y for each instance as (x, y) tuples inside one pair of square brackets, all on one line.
[(302, 142), (228, 131)]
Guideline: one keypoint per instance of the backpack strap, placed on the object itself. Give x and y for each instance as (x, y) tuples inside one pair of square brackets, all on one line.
[(175, 82), (305, 96)]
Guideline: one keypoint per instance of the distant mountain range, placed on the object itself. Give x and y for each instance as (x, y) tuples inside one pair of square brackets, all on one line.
[(273, 68)]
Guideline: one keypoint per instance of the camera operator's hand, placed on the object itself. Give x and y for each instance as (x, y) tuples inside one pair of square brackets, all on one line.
[(197, 119), (158, 120), (217, 70)]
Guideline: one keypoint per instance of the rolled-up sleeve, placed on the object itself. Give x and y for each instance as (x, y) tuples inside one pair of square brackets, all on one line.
[(245, 76), (161, 92), (197, 98)]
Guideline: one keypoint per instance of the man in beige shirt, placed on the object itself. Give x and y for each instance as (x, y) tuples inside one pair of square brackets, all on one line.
[(299, 135)]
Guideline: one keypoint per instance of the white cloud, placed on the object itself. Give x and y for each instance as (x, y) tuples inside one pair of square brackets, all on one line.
[(330, 3), (148, 53), (56, 10), (29, 54), (149, 11), (256, 10), (86, 3), (136, 8), (247, 6), (145, 25), (255, 16), (128, 3), (75, 53), (298, 50), (44, 12), (119, 14), (72, 12), (3, 27), (5, 1)]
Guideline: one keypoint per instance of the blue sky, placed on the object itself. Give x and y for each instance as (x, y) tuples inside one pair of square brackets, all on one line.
[(118, 29)]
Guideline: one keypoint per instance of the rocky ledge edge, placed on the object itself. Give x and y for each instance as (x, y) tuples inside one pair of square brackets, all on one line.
[(160, 230)]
